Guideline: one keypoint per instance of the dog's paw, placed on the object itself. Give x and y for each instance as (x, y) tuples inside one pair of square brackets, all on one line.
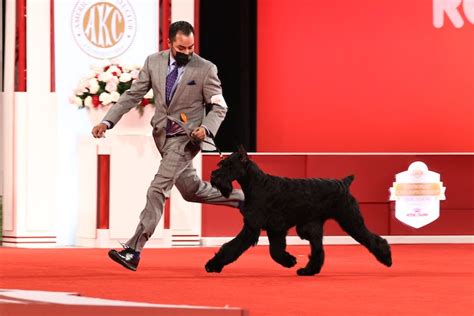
[(383, 253), (288, 261), (306, 272), (213, 266)]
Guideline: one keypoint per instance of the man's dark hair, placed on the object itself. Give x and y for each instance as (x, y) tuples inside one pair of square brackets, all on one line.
[(179, 26)]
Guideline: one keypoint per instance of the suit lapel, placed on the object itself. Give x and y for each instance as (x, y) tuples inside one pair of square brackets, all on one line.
[(163, 69), (187, 75)]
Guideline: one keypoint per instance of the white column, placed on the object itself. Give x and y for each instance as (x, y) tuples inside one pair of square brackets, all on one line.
[(1, 104), (30, 137), (8, 116)]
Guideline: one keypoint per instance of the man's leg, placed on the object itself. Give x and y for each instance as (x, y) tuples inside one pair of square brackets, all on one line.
[(151, 214), (149, 218), (172, 165)]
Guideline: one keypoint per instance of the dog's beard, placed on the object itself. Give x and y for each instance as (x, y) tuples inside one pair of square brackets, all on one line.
[(225, 187)]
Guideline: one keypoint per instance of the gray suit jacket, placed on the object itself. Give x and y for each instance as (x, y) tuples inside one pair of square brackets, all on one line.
[(198, 86)]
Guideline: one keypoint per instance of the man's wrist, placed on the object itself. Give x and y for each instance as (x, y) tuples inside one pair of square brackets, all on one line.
[(208, 133), (108, 124)]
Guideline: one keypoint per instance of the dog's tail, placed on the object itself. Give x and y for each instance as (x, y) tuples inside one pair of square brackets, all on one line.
[(348, 180)]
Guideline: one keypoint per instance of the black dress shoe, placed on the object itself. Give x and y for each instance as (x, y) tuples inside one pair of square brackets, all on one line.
[(128, 258)]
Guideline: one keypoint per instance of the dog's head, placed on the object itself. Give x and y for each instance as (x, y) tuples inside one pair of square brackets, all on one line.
[(230, 169)]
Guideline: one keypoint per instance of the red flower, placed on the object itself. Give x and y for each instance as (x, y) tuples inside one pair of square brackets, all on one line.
[(106, 68), (144, 102), (114, 73), (95, 101)]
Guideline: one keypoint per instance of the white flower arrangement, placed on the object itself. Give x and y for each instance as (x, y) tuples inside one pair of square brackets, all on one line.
[(103, 85)]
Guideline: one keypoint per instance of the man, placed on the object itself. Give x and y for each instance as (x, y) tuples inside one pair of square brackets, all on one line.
[(183, 83)]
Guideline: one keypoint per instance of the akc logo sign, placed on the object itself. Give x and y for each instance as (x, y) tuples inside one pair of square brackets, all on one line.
[(452, 9), (103, 29)]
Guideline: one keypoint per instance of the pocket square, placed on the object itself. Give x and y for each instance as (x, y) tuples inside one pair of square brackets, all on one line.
[(191, 83)]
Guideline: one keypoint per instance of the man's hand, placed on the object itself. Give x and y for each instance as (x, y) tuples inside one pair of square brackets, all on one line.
[(199, 133), (99, 130)]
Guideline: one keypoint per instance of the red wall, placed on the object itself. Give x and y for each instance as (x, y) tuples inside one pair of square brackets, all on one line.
[(363, 76), (374, 175)]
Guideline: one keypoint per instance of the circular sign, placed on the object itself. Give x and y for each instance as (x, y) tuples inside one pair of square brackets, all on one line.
[(103, 29)]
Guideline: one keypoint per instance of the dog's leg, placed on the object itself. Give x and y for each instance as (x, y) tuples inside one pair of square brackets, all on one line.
[(313, 232), (277, 249), (352, 222), (229, 252)]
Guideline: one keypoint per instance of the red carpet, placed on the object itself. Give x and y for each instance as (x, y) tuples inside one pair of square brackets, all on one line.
[(424, 279)]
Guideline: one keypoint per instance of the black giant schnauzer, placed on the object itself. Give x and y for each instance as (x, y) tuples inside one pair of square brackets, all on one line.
[(276, 204)]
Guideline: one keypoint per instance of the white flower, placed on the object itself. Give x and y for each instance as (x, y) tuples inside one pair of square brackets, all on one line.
[(92, 82), (88, 101), (105, 76), (111, 86), (125, 77), (103, 95), (115, 69), (127, 68), (135, 73), (94, 89), (93, 86), (81, 88), (149, 94), (77, 101), (115, 96), (105, 98), (91, 74), (113, 79)]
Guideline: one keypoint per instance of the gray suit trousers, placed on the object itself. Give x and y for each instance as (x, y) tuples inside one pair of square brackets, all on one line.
[(176, 168)]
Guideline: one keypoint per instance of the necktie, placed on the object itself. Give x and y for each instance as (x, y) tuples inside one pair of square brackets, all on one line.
[(170, 80), (171, 127)]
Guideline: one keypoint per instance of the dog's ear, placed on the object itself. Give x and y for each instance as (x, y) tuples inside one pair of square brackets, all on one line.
[(243, 153)]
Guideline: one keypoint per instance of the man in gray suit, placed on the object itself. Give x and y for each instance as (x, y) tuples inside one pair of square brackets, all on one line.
[(183, 83)]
